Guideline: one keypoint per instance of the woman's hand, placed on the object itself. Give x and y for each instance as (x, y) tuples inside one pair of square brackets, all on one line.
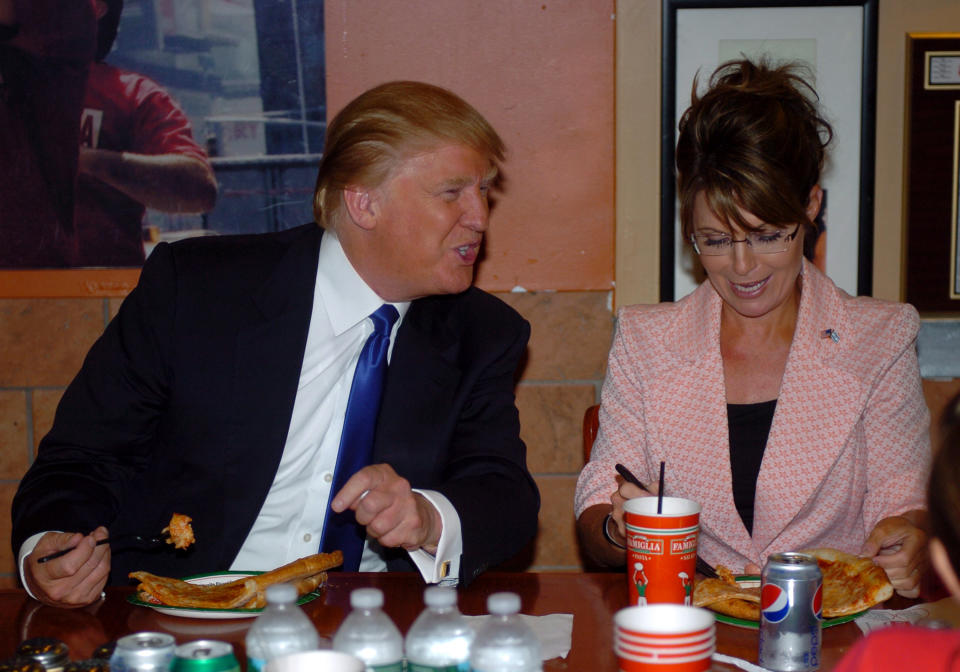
[(591, 521), (899, 545), (620, 495)]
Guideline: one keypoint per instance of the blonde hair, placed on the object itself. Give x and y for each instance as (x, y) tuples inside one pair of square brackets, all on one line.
[(383, 126)]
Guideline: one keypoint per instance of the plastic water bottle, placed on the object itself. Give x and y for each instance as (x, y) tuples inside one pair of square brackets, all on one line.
[(280, 630), (369, 634), (504, 643), (439, 640)]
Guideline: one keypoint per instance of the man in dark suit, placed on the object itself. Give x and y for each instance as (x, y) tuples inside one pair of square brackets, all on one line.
[(220, 388)]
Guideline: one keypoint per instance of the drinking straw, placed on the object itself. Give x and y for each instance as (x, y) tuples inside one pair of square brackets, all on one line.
[(660, 491)]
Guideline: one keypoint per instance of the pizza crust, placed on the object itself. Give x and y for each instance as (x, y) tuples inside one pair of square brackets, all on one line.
[(728, 598), (737, 608)]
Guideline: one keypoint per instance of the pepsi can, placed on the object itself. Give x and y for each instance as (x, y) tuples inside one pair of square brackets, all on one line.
[(791, 613)]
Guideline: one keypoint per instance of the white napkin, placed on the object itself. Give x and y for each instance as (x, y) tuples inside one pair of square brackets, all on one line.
[(555, 632), (917, 614), (739, 662)]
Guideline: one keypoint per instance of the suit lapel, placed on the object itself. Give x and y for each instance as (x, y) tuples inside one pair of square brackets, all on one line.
[(818, 405), (696, 416), (421, 381), (270, 342)]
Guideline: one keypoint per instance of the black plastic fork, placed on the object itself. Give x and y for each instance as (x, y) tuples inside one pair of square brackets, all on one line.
[(119, 544)]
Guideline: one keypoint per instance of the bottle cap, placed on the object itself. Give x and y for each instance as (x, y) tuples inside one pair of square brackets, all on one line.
[(366, 598), (21, 664), (440, 596), (503, 603), (49, 652), (281, 593)]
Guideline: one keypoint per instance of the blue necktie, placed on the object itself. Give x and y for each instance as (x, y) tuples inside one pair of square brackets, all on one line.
[(340, 530)]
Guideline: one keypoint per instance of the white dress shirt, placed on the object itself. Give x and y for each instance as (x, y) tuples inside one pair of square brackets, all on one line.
[(290, 523)]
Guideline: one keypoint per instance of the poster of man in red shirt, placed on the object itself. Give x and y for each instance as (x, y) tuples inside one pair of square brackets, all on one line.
[(125, 123)]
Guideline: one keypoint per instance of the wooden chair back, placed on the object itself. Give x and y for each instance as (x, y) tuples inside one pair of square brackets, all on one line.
[(591, 423)]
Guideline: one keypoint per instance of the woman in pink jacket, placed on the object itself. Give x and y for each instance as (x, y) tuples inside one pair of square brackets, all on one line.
[(790, 410)]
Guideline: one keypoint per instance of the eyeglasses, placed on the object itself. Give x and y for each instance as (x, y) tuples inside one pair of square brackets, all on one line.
[(761, 242)]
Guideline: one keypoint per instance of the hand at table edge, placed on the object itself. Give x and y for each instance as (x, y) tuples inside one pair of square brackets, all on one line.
[(73, 580), (898, 545)]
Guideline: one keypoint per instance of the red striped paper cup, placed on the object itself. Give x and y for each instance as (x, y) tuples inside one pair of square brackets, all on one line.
[(664, 638), (661, 549)]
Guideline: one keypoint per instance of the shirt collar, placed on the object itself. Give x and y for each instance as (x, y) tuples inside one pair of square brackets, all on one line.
[(347, 298)]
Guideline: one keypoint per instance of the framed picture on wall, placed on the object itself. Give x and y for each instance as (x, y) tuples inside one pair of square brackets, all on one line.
[(932, 172), (836, 42), (941, 69), (955, 205), (195, 118)]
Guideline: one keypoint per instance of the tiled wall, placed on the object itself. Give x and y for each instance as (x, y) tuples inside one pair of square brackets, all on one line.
[(43, 342), (570, 337)]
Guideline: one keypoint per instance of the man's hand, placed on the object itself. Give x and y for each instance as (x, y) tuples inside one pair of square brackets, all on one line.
[(393, 514), (899, 546), (77, 578)]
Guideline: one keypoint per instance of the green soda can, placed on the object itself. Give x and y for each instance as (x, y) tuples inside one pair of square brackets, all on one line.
[(205, 655)]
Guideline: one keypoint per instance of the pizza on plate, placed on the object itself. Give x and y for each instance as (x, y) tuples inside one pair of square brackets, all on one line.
[(248, 592), (727, 596), (850, 585)]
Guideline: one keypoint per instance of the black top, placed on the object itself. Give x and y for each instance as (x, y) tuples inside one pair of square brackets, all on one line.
[(749, 428)]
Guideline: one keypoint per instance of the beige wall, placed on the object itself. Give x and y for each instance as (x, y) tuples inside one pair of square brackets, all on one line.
[(638, 152)]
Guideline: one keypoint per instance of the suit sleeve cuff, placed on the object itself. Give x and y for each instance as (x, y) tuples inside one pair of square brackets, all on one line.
[(444, 567), (26, 549)]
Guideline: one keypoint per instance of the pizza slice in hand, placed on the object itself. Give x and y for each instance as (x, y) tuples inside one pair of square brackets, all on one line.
[(850, 583)]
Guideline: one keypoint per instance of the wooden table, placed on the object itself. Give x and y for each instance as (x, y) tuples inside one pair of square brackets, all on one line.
[(592, 598)]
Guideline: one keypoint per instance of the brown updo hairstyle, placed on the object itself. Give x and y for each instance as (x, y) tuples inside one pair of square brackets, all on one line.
[(387, 124), (943, 492), (754, 140)]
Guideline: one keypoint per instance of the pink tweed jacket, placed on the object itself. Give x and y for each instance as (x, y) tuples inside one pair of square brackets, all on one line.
[(849, 444)]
